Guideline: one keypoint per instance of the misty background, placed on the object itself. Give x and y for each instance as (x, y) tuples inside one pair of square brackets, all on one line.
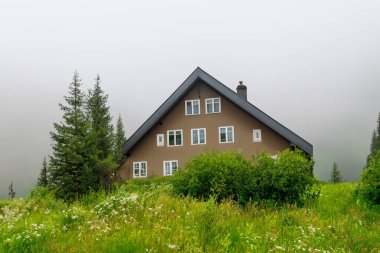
[(311, 65)]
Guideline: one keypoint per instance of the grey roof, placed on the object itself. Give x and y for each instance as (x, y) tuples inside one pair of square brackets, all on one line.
[(187, 85)]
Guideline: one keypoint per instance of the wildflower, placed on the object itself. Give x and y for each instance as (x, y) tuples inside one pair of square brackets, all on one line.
[(279, 248), (172, 246)]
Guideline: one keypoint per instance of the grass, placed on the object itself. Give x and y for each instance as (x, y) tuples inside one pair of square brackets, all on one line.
[(143, 216)]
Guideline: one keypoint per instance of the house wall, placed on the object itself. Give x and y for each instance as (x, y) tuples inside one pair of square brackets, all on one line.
[(231, 115)]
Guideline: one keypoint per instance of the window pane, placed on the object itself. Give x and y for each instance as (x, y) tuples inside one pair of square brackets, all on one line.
[(174, 166), (222, 135), (195, 136), (167, 168), (188, 107), (171, 138), (195, 107), (217, 105), (178, 138), (209, 105), (143, 169), (229, 134), (202, 136)]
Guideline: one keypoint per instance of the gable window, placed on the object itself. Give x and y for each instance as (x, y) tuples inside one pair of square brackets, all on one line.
[(213, 105), (139, 169), (226, 134), (198, 136), (160, 140), (257, 135), (192, 107), (170, 167), (174, 138)]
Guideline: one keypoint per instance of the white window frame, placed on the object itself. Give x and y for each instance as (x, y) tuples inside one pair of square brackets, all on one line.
[(171, 167), (175, 133), (213, 105), (257, 135), (162, 142), (226, 129), (198, 132), (192, 107), (140, 175)]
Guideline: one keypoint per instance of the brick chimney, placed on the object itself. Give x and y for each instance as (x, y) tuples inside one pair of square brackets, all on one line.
[(241, 90)]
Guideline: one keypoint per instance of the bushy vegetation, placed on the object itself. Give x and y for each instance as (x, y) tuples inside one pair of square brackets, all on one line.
[(369, 185), (146, 217), (286, 179)]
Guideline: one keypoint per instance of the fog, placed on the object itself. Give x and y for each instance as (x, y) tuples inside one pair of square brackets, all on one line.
[(311, 65)]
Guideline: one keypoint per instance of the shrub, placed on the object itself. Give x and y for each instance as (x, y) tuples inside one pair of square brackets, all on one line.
[(369, 185), (287, 179), (222, 175)]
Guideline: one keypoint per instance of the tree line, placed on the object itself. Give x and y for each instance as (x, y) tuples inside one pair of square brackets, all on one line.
[(86, 147)]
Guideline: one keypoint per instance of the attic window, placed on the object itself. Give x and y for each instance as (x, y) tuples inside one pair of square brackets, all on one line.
[(213, 105), (257, 135), (160, 140), (192, 107)]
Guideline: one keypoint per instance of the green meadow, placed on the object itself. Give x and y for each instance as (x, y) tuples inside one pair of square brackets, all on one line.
[(144, 216)]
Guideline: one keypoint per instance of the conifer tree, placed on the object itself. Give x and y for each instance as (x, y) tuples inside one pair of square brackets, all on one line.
[(11, 192), (375, 142), (119, 141), (43, 178), (336, 177), (72, 159), (101, 134)]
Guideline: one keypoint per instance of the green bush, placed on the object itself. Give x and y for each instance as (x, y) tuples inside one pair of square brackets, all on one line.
[(222, 175), (369, 185), (228, 175)]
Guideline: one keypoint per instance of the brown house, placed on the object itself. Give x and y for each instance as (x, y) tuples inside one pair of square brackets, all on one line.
[(202, 115)]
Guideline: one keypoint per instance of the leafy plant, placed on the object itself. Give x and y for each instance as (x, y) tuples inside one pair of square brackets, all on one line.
[(369, 185)]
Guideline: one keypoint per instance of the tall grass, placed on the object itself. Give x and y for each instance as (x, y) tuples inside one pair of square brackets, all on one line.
[(143, 216)]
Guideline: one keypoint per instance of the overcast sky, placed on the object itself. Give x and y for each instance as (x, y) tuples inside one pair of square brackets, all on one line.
[(314, 66)]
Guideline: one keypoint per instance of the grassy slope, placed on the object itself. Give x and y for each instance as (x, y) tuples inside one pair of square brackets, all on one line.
[(146, 218)]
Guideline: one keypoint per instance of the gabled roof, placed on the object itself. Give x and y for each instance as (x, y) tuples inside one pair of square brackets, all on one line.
[(187, 85)]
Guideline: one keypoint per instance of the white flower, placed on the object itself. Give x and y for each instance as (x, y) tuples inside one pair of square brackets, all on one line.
[(172, 246), (279, 248)]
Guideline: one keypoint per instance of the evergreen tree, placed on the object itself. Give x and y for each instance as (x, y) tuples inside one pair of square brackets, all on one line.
[(11, 192), (119, 141), (72, 159), (43, 178), (375, 142), (101, 134), (336, 177), (100, 120)]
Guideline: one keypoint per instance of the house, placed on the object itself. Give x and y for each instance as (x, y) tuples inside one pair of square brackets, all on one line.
[(203, 115)]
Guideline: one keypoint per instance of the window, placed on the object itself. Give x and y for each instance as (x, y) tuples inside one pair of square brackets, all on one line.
[(213, 105), (226, 134), (192, 107), (174, 138), (257, 135), (160, 140), (198, 136), (170, 167), (139, 169)]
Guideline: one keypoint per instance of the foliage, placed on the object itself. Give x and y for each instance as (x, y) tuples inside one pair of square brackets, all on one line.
[(11, 192), (369, 185), (229, 175), (43, 178), (73, 160), (137, 220), (119, 141), (222, 175), (286, 179), (335, 176), (375, 141)]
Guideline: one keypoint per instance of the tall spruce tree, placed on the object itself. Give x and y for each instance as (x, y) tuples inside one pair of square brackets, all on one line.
[(11, 192), (375, 141), (43, 178), (335, 177), (101, 133), (72, 159), (119, 141)]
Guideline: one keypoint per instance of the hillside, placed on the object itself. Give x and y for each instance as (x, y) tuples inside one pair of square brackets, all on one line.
[(145, 217)]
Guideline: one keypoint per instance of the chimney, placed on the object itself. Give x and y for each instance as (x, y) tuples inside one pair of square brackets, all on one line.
[(241, 90)]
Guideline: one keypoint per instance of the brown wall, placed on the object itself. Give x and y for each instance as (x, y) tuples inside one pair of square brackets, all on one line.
[(230, 115)]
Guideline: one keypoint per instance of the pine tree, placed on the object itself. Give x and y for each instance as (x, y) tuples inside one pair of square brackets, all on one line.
[(101, 134), (11, 192), (43, 178), (119, 141), (375, 142), (72, 159), (336, 177)]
